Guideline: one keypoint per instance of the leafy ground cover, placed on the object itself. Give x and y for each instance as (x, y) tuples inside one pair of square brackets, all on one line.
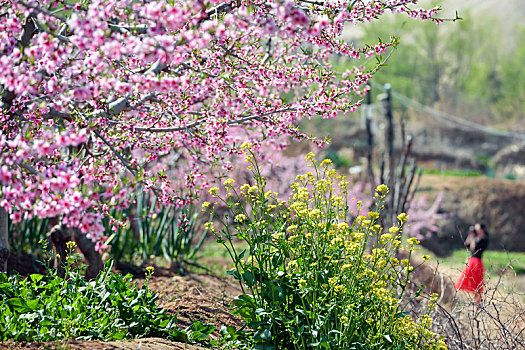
[(49, 307), (197, 296)]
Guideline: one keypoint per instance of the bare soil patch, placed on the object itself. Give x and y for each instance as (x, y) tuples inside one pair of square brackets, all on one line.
[(142, 344)]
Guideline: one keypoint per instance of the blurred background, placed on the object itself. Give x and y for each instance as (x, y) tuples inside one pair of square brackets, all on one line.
[(458, 90)]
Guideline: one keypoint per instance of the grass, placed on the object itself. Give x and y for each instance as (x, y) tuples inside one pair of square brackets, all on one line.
[(494, 261), (454, 172), (214, 257)]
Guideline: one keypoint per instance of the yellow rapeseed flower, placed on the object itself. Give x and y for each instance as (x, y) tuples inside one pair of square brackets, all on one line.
[(346, 267), (71, 245), (373, 215), (278, 236), (309, 157), (393, 230), (402, 217), (326, 163), (240, 217), (229, 182), (331, 174), (343, 226), (339, 288), (301, 282), (412, 241), (386, 237), (214, 190), (382, 188), (358, 235)]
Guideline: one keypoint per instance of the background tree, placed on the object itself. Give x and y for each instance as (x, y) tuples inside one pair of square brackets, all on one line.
[(469, 68), (102, 97)]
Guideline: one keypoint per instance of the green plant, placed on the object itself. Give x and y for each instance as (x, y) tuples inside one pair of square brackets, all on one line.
[(25, 235), (308, 280), (49, 307), (155, 231)]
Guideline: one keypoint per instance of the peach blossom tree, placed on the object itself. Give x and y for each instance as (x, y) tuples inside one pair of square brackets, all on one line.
[(102, 97)]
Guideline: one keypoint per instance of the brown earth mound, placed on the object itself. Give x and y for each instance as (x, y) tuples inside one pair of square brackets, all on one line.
[(500, 204)]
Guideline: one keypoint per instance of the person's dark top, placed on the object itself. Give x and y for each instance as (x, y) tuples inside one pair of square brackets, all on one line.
[(480, 245)]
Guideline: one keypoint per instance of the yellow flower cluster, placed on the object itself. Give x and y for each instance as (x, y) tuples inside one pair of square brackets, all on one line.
[(229, 182), (213, 191), (322, 252)]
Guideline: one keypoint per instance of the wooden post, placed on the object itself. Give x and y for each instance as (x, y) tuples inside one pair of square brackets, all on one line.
[(402, 184), (370, 140), (4, 240), (390, 179)]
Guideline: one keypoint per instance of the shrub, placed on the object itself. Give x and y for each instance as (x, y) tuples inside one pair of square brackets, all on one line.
[(307, 278), (49, 307)]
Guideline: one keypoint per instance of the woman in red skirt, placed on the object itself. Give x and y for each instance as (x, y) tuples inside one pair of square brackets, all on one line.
[(471, 278)]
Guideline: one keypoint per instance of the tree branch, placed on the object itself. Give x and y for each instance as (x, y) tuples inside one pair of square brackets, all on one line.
[(201, 121)]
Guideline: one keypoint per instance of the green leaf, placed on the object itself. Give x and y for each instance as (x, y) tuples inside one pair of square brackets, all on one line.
[(32, 304), (248, 278), (118, 335), (35, 277), (263, 335), (18, 304)]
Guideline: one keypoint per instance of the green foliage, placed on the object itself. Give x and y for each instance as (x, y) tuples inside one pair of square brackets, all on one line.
[(307, 277), (49, 307), (338, 160), (155, 231), (175, 234), (510, 176)]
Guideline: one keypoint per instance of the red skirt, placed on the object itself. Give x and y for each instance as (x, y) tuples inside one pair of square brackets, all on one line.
[(471, 278)]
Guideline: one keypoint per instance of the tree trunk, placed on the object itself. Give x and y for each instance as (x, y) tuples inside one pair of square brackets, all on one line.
[(4, 240), (60, 235)]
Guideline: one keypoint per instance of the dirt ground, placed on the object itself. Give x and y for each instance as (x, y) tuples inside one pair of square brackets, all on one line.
[(142, 344), (498, 203)]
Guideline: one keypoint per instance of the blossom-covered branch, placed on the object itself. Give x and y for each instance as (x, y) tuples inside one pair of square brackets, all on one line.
[(103, 96)]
